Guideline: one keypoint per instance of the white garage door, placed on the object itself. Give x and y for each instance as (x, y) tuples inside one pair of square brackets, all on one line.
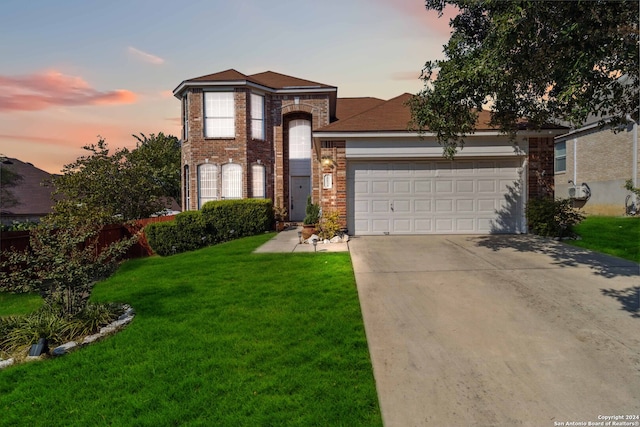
[(441, 197)]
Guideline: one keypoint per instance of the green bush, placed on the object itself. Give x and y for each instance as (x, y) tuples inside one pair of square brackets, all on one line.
[(312, 213), (192, 231), (162, 237), (231, 219), (186, 233), (552, 218)]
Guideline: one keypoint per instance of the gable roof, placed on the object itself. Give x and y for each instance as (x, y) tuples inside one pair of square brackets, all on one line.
[(348, 107), (33, 198), (394, 115), (391, 115), (268, 80)]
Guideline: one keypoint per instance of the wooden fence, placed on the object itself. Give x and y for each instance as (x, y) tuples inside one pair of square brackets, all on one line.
[(19, 240)]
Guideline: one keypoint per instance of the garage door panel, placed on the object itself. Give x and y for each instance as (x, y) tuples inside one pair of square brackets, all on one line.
[(380, 206), (444, 225), (361, 187), (464, 205), (465, 224), (402, 225), (401, 206), (361, 207), (464, 186), (486, 186), (421, 186), (444, 205), (423, 225), (380, 187), (403, 186), (422, 206), (380, 225), (487, 205), (444, 186), (469, 196)]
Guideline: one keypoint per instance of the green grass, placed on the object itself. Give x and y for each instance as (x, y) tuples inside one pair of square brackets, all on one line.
[(221, 337), (14, 304), (618, 236)]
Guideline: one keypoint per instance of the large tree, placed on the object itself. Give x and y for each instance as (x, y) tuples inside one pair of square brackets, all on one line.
[(545, 61), (8, 179), (125, 184)]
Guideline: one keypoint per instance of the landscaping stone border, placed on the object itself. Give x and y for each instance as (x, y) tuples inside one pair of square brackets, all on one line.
[(111, 328)]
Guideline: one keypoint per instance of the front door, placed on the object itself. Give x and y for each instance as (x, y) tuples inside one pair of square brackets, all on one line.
[(300, 190)]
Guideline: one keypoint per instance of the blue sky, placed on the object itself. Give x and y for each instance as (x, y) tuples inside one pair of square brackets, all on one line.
[(72, 70)]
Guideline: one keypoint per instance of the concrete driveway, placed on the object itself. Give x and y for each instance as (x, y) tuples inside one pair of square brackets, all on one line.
[(499, 331)]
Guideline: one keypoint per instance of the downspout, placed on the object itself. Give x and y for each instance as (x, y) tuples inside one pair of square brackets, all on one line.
[(575, 160), (524, 176)]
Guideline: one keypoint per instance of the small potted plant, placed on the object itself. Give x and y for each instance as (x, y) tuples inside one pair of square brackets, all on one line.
[(311, 218)]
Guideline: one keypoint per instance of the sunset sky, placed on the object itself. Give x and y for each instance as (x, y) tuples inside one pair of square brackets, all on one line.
[(75, 69)]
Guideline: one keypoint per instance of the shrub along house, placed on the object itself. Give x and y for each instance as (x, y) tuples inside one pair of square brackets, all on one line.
[(269, 135)]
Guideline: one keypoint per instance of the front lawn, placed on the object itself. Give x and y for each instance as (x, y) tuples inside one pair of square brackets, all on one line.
[(221, 337), (13, 304), (618, 236)]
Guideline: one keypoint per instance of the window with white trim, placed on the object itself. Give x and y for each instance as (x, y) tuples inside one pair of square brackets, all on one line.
[(187, 188), (219, 115), (560, 156), (257, 116), (185, 117), (207, 183), (300, 139), (258, 189), (231, 181)]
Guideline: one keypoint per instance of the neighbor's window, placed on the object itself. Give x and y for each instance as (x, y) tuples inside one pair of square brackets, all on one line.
[(207, 183), (257, 116), (231, 181), (258, 177), (561, 157), (219, 115)]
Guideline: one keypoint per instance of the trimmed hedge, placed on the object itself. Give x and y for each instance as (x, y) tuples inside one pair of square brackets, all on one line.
[(231, 219), (217, 222)]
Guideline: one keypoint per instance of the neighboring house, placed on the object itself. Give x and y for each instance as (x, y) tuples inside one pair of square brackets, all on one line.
[(284, 138), (34, 199), (601, 159)]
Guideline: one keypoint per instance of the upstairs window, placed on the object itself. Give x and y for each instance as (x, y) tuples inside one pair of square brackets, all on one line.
[(185, 117), (561, 157), (257, 116), (219, 115), (258, 181), (231, 181), (300, 139)]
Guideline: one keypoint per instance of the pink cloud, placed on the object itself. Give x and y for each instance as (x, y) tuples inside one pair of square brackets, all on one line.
[(49, 89), (406, 75)]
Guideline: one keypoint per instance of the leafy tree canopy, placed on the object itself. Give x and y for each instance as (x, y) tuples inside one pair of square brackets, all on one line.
[(127, 184), (541, 60), (8, 179)]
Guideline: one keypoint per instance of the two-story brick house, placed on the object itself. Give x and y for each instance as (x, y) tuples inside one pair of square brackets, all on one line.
[(285, 138)]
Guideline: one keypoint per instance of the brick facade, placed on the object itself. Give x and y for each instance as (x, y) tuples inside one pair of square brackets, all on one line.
[(602, 159), (272, 152)]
